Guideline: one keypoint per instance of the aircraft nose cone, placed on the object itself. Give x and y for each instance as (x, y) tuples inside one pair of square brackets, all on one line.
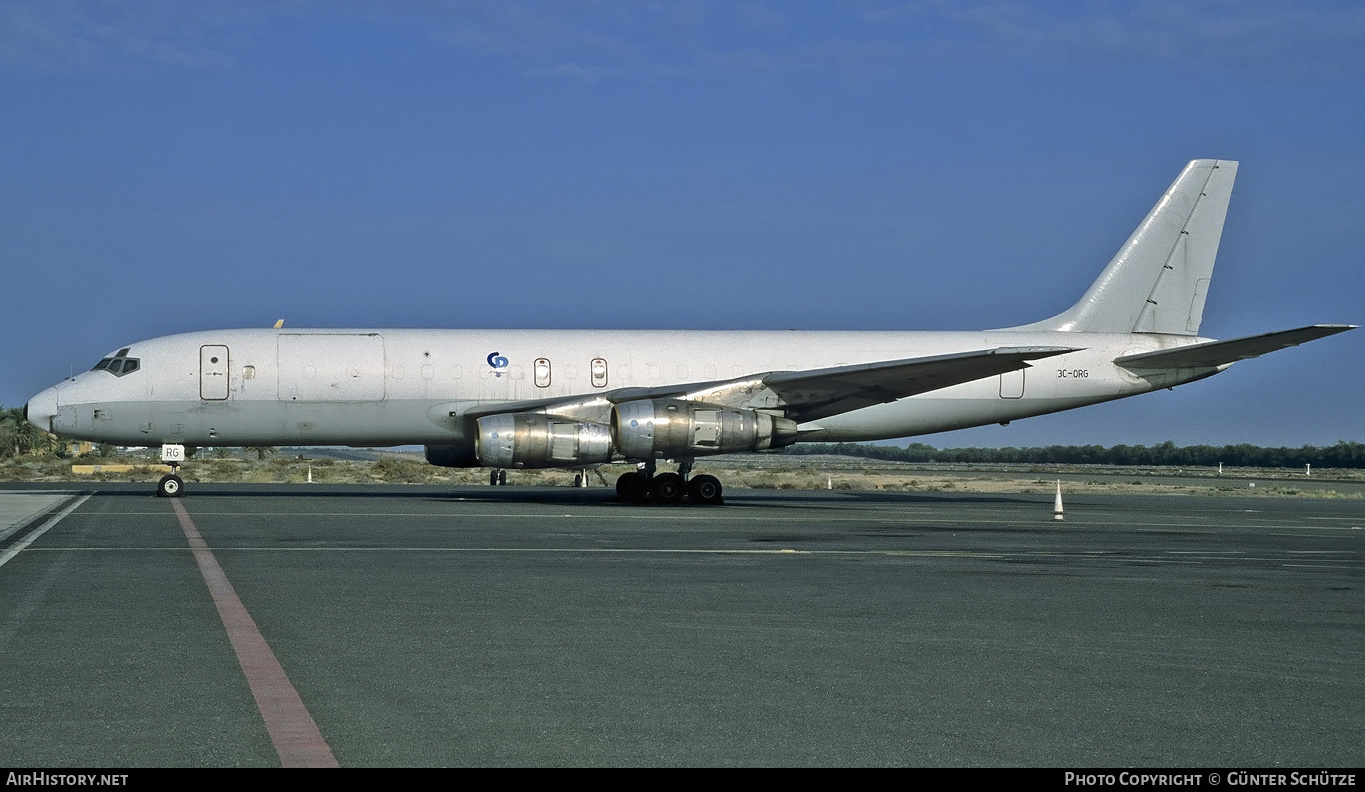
[(41, 408)]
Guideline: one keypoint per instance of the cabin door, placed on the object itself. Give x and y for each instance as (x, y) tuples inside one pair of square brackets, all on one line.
[(213, 372)]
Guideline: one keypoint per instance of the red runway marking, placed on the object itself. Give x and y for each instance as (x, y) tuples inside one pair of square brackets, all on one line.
[(292, 730)]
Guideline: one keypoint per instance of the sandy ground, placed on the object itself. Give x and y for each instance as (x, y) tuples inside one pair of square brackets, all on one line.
[(754, 471)]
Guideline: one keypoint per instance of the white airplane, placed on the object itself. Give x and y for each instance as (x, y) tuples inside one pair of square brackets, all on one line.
[(579, 398)]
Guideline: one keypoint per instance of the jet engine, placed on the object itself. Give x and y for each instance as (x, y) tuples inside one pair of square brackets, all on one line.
[(533, 440), (669, 428)]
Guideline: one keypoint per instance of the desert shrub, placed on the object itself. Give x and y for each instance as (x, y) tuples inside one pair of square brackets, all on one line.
[(395, 470)]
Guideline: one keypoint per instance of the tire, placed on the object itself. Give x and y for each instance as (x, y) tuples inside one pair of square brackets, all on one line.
[(170, 486), (704, 490), (630, 487), (668, 488)]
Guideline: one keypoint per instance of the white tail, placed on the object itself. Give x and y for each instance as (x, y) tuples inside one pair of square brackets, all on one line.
[(1158, 280)]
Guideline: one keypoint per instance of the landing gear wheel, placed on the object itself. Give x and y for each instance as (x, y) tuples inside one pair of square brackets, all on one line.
[(170, 486), (668, 488), (630, 487), (704, 490), (502, 478), (492, 478)]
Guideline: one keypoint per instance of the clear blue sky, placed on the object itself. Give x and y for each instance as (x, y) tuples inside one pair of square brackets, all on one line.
[(171, 166)]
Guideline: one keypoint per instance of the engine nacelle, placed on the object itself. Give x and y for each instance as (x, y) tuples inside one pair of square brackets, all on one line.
[(673, 428), (532, 440), (452, 456)]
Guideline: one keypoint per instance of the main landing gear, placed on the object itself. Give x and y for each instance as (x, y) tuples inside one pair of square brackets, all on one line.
[(645, 486)]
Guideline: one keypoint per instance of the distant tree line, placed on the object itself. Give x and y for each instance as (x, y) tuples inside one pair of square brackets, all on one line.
[(1342, 455)]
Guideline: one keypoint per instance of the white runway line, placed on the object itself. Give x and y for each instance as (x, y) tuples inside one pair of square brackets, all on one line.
[(19, 546), (22, 508)]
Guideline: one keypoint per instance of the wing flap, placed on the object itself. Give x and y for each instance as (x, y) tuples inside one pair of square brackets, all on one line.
[(1212, 354), (820, 393)]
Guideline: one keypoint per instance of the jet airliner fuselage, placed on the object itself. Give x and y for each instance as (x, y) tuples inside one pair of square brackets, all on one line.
[(411, 387), (577, 398)]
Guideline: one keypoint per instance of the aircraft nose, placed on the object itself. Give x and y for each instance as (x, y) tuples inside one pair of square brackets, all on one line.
[(41, 408)]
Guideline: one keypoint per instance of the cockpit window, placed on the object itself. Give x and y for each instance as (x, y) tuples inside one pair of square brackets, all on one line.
[(118, 365)]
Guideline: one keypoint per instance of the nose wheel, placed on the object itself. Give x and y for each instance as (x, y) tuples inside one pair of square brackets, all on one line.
[(170, 486)]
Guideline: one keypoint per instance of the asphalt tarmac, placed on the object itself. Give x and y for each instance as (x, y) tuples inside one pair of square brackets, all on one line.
[(552, 627)]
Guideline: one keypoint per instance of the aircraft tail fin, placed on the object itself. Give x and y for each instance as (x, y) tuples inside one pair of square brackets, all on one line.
[(1158, 280)]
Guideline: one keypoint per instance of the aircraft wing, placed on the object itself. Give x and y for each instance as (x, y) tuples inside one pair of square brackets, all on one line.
[(820, 393), (1212, 354), (802, 395)]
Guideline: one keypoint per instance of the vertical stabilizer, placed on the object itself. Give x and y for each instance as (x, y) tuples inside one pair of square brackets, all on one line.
[(1158, 280)]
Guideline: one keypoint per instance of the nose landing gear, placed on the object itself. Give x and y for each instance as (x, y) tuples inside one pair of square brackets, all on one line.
[(171, 485)]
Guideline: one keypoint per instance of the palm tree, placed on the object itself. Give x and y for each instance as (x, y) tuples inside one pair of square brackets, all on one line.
[(18, 436)]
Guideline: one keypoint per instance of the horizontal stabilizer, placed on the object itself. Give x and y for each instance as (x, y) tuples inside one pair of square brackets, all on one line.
[(1212, 354)]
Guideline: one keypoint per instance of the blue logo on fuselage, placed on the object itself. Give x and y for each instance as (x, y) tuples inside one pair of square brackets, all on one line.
[(497, 361)]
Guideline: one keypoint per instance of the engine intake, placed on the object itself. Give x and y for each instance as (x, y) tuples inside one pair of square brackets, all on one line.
[(533, 440), (664, 428)]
